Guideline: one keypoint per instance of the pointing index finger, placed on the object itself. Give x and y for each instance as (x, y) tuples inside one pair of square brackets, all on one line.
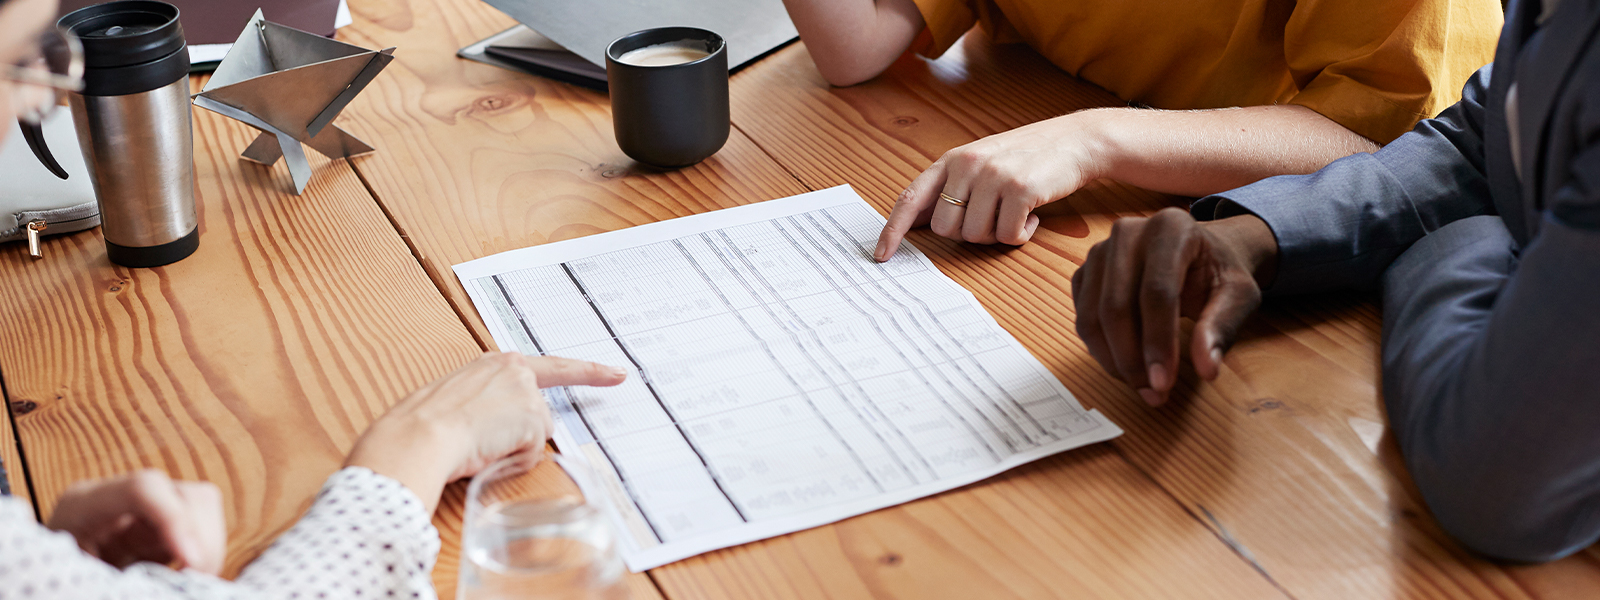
[(555, 371), (912, 208)]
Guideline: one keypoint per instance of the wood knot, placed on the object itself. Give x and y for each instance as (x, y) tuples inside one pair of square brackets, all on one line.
[(492, 103), (891, 559), (1265, 404), (613, 173), (22, 407), (904, 121), (116, 286)]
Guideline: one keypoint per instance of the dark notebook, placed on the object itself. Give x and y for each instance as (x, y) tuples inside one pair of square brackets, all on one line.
[(566, 40)]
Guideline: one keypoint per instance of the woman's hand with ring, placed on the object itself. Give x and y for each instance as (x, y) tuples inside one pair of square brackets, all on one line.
[(985, 192)]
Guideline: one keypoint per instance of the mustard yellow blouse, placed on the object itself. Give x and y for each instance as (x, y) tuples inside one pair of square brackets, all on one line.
[(1376, 66)]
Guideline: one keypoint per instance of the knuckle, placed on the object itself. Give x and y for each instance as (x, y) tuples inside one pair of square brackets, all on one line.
[(1118, 310), (558, 370), (1171, 214), (147, 480), (1159, 294), (1125, 226), (80, 488), (977, 232), (1018, 188), (1096, 252)]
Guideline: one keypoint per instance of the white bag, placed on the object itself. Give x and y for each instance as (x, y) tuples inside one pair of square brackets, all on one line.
[(33, 201)]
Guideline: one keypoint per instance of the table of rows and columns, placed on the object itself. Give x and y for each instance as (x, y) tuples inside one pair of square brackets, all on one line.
[(257, 362)]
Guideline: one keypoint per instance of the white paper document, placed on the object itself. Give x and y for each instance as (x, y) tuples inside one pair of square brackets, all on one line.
[(780, 378)]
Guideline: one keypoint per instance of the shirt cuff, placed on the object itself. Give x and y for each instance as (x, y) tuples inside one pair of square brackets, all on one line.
[(1265, 199)]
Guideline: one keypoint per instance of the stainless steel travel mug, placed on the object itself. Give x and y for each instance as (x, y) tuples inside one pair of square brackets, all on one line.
[(135, 129)]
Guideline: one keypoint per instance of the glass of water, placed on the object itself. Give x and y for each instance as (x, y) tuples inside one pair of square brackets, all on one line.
[(529, 534)]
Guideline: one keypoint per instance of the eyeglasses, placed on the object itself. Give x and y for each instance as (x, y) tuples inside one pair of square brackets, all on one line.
[(45, 75)]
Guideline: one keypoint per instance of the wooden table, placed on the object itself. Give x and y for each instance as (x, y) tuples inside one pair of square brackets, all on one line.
[(256, 363)]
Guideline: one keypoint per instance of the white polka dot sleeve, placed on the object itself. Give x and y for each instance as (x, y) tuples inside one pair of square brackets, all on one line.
[(365, 536)]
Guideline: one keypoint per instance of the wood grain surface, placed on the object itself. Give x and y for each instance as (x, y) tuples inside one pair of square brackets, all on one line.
[(475, 160), (1076, 525), (11, 457), (253, 364), (1285, 457)]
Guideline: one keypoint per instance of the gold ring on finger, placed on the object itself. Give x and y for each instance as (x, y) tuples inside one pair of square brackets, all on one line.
[(952, 199)]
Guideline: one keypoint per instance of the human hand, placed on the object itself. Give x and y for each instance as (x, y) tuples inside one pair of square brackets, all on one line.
[(1002, 178), (146, 516), (486, 410), (1133, 287)]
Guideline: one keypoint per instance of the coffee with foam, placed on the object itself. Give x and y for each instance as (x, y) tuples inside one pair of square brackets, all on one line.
[(661, 55)]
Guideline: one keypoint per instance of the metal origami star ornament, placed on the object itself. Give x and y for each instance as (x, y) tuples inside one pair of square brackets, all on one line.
[(290, 85)]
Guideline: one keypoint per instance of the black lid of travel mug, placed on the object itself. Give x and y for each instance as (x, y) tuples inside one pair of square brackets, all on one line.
[(129, 46)]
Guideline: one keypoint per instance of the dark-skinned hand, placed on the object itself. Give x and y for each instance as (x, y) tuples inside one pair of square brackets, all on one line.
[(1135, 286)]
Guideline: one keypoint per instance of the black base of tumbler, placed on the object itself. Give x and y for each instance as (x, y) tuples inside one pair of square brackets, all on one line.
[(154, 256)]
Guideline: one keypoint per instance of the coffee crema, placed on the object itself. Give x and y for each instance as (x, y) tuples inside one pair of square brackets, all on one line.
[(661, 55)]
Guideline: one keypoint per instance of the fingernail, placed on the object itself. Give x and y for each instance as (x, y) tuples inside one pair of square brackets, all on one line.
[(1158, 375), (1216, 356), (1150, 396), (619, 371)]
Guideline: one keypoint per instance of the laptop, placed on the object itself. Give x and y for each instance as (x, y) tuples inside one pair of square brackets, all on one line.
[(566, 41)]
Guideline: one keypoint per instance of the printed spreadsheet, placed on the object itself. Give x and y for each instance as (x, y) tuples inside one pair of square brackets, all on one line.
[(780, 378)]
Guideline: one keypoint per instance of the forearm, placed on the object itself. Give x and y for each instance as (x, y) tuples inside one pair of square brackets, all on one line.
[(855, 40), (1200, 152), (400, 448)]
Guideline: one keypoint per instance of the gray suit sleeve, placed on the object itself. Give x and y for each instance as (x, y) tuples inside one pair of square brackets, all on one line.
[(1341, 226), (1491, 366), (1491, 356)]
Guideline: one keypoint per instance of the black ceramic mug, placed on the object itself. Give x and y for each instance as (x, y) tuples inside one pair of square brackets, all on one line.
[(672, 115)]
